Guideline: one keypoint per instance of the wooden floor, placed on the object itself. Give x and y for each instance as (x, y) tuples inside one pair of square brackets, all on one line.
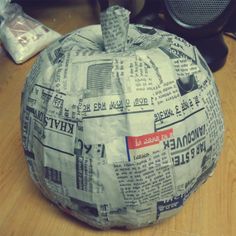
[(25, 212)]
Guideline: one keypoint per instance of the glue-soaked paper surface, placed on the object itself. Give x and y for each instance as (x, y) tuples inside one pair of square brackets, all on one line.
[(121, 139)]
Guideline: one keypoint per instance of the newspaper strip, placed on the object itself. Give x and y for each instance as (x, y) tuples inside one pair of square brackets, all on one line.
[(121, 139)]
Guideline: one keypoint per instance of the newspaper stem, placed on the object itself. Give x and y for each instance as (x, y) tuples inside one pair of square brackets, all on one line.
[(115, 25)]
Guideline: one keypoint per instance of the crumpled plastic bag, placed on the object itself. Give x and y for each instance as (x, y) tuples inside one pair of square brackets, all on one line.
[(120, 125), (21, 35)]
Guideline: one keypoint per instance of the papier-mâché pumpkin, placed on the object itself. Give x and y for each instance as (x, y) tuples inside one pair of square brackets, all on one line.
[(120, 125)]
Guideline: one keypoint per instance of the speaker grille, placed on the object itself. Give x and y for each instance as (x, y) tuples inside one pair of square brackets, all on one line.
[(196, 12)]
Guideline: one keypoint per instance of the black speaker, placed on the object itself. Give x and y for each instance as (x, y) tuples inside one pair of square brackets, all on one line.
[(201, 22)]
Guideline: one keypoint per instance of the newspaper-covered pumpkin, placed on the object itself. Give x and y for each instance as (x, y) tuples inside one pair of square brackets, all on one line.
[(120, 123)]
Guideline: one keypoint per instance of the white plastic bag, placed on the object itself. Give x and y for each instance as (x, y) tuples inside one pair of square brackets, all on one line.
[(21, 35)]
